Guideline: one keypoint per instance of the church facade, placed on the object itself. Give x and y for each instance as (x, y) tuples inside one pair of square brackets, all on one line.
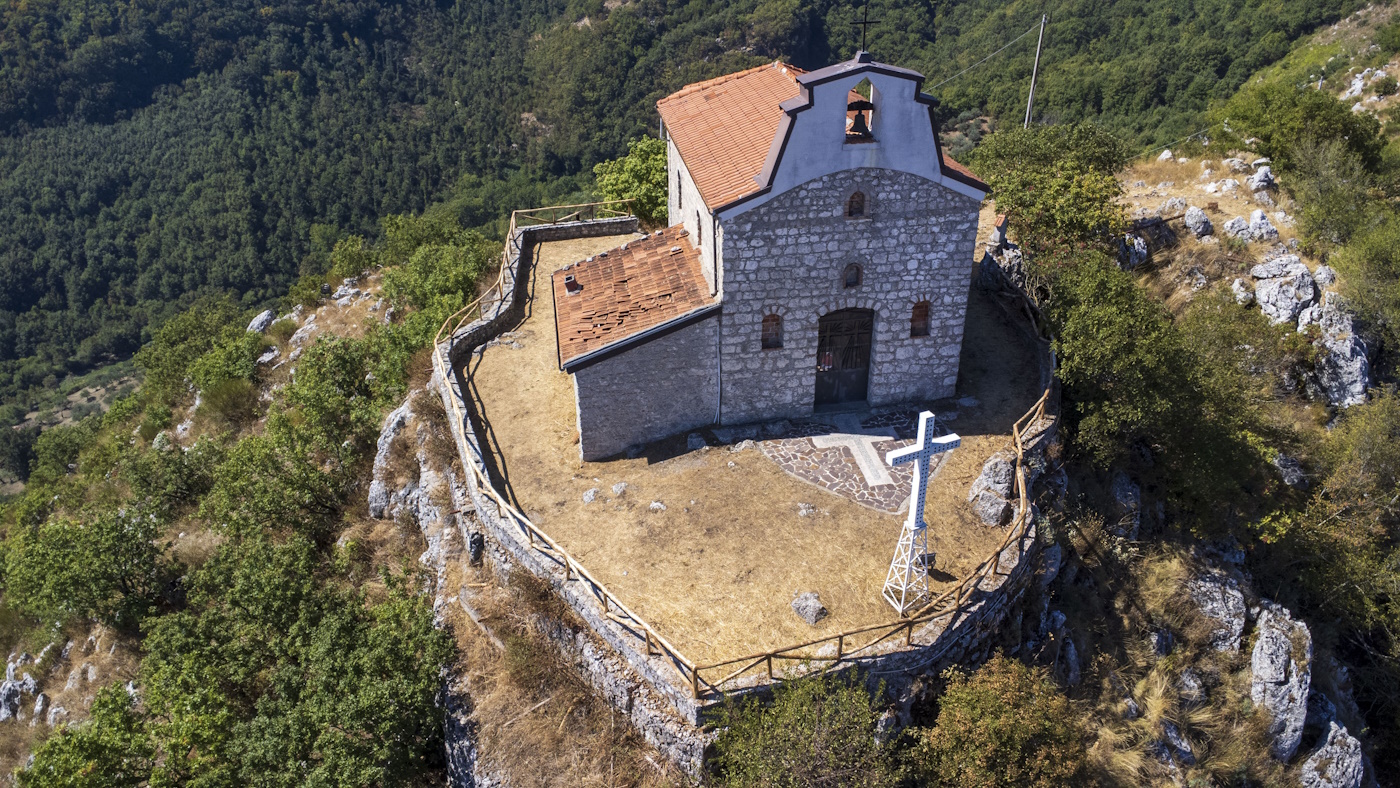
[(820, 257)]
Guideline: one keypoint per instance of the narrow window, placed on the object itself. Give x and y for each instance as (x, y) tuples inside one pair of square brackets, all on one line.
[(856, 205), (919, 320), (699, 230), (772, 332), (860, 113), (852, 276)]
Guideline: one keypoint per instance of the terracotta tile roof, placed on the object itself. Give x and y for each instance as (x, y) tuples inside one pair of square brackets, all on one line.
[(626, 291), (724, 126)]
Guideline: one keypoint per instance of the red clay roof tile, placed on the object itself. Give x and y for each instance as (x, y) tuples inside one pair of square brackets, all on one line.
[(626, 291)]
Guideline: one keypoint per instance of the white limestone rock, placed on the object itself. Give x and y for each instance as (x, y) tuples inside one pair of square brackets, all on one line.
[(1337, 762), (1260, 228), (619, 489), (1263, 178), (1325, 275), (303, 334), (1291, 471), (657, 507), (809, 607), (1235, 165), (1244, 293), (1218, 598), (1197, 222), (1132, 251), (1172, 206), (260, 323), (991, 491), (590, 495), (1165, 155), (1237, 227), (1284, 298), (1281, 675), (1274, 267), (1343, 370), (379, 498), (41, 707)]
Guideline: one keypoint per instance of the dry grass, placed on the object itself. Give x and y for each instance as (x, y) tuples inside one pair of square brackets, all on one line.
[(537, 722), (115, 659), (716, 571)]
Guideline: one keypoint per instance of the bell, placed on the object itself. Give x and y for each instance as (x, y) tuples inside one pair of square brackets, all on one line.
[(858, 127)]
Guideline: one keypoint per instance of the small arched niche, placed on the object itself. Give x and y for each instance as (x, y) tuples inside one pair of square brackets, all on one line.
[(919, 321), (856, 205), (852, 277)]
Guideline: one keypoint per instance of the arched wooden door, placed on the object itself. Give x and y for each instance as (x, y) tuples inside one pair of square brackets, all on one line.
[(843, 356)]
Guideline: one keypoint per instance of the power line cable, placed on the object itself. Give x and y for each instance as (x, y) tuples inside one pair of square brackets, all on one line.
[(1030, 30), (1183, 139)]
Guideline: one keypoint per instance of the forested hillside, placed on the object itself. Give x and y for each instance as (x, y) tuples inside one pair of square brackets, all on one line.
[(162, 149)]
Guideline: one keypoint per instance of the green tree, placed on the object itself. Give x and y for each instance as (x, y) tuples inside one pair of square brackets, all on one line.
[(105, 566), (640, 176), (1333, 190), (1281, 115), (1003, 725), (108, 750), (817, 731)]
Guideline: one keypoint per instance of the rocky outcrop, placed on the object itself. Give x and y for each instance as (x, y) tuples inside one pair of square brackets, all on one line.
[(1132, 252), (261, 323), (1281, 673), (380, 496), (1291, 471), (1283, 298), (1343, 369), (990, 494), (1219, 599), (1244, 292), (1337, 763), (1197, 222)]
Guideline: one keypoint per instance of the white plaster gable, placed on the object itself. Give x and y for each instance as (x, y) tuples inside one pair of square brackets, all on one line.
[(811, 141)]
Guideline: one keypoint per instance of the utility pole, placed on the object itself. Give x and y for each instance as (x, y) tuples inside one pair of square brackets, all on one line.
[(1035, 70)]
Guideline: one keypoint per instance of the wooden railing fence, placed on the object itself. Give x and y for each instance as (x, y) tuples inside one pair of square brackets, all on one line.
[(810, 654)]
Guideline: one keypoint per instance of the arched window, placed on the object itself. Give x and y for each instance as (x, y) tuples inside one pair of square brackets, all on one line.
[(855, 206), (852, 276), (919, 320), (772, 332)]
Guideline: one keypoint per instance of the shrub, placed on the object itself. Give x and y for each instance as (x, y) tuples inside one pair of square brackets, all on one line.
[(17, 450), (179, 342), (1385, 86), (232, 400), (1004, 725), (640, 176), (109, 750), (1370, 276), (818, 730), (281, 331), (1280, 115), (1333, 191)]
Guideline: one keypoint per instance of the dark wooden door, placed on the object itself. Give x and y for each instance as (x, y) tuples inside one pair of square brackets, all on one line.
[(843, 356)]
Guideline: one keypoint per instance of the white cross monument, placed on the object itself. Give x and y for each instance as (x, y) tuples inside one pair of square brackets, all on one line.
[(907, 581)]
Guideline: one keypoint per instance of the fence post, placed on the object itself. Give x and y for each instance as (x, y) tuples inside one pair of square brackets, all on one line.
[(770, 667), (840, 646)]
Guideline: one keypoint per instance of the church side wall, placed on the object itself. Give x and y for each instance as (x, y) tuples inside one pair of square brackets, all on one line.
[(648, 392), (787, 256), (686, 208)]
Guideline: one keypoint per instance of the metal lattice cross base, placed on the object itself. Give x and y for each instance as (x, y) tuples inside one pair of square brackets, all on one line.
[(907, 581)]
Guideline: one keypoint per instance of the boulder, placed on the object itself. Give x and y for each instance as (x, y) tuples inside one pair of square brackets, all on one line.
[(9, 700), (1283, 299), (303, 334), (1343, 370), (1127, 506), (1281, 675), (1218, 597), (1197, 222), (991, 491), (1237, 227), (1132, 252), (1260, 229), (1263, 178), (1172, 206), (1279, 266), (619, 488), (1235, 165), (1229, 186), (1292, 471), (1165, 155), (1051, 559), (657, 507), (1175, 745), (379, 484), (1325, 275), (41, 707), (1311, 315), (590, 495), (809, 608), (1337, 762), (261, 322), (1191, 688), (1244, 293), (56, 715)]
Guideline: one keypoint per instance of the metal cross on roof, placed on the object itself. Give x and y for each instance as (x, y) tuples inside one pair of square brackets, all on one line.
[(907, 581), (865, 22)]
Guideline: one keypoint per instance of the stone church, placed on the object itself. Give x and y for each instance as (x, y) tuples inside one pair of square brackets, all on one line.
[(820, 258)]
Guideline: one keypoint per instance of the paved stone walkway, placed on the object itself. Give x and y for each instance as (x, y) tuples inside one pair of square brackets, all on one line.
[(824, 452)]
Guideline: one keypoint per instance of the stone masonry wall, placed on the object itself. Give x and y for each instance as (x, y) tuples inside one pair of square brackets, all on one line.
[(657, 389), (787, 257)]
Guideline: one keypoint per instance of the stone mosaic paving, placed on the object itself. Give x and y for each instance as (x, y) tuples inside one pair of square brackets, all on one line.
[(835, 468)]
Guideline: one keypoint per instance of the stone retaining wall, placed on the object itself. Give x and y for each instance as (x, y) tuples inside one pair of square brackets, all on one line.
[(609, 656)]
